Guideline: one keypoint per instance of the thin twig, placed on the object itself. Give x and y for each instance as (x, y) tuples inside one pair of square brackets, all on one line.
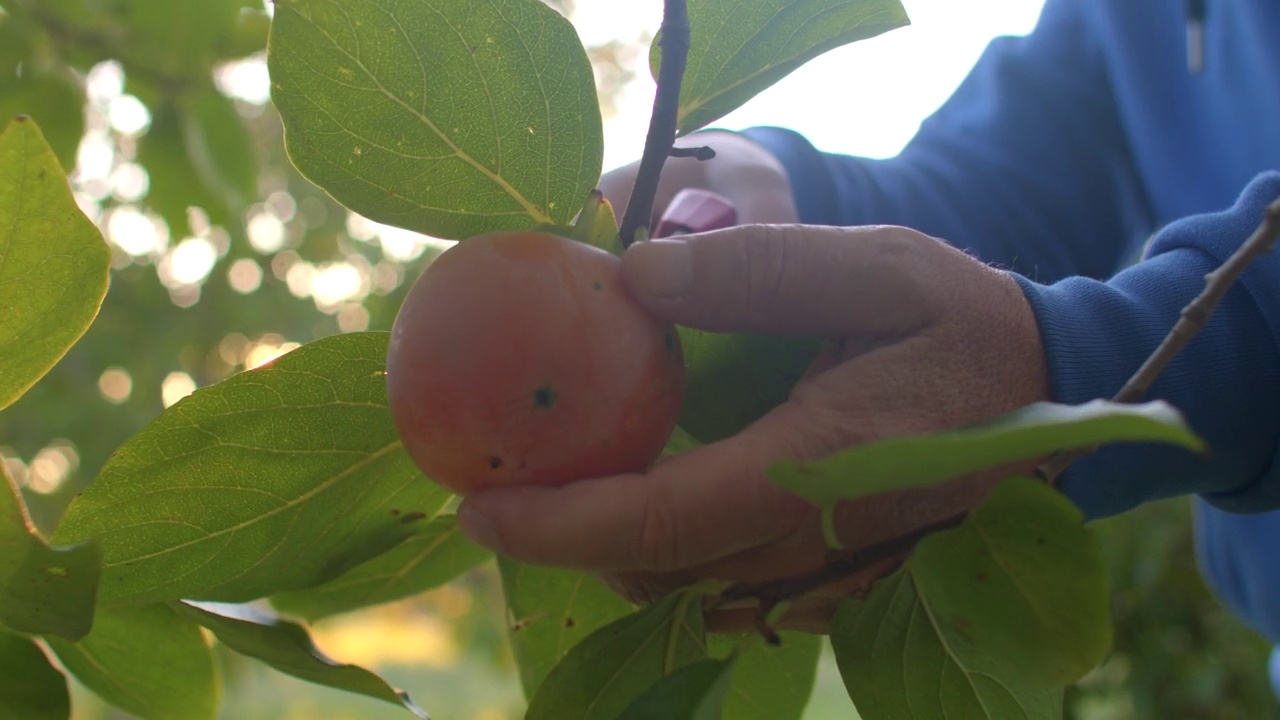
[(701, 152), (674, 44), (1193, 319)]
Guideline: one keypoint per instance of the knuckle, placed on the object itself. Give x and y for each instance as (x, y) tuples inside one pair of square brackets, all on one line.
[(657, 546), (764, 261)]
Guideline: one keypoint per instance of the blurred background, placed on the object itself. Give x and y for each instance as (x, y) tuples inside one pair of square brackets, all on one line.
[(224, 258)]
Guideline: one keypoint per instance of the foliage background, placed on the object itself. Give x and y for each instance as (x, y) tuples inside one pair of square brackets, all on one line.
[(223, 257)]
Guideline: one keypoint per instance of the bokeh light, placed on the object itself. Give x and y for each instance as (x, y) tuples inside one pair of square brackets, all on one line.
[(176, 386), (116, 385), (245, 276)]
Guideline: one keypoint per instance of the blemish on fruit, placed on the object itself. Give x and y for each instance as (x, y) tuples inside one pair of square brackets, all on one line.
[(357, 150), (669, 340), (569, 622), (395, 512), (495, 462), (597, 285), (981, 577), (413, 517), (544, 398)]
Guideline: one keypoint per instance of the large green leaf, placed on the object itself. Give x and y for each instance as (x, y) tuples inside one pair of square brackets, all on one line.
[(733, 379), (276, 479), (43, 590), (988, 620), (602, 675), (737, 49), (53, 262), (288, 648), (438, 553), (147, 661), (696, 691), (552, 610), (449, 118), (1025, 434), (769, 682), (30, 688)]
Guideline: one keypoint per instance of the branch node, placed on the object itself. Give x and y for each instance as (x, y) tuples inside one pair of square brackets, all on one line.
[(702, 153)]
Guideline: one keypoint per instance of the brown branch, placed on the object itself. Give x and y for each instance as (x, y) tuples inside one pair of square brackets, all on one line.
[(1193, 318), (674, 44)]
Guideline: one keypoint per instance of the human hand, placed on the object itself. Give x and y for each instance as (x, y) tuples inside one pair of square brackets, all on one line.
[(743, 172), (921, 338)]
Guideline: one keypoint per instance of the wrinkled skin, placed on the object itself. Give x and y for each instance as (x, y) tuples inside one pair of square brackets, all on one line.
[(521, 357)]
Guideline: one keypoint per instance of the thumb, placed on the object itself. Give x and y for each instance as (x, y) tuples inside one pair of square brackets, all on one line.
[(791, 279)]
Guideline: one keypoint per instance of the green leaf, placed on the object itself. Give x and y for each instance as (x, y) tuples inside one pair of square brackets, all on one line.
[(53, 262), (275, 479), (288, 648), (43, 590), (30, 688), (198, 154), (769, 682), (738, 49), (438, 553), (1025, 434), (989, 620), (34, 82), (602, 675), (734, 379), (147, 661), (694, 692), (176, 42), (443, 117), (552, 610)]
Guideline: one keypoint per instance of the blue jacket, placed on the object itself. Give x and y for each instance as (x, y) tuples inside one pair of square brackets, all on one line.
[(1091, 160)]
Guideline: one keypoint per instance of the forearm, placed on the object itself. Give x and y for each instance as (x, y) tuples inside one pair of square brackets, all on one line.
[(1227, 380)]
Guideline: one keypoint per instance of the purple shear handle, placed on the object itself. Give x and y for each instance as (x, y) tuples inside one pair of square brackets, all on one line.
[(693, 211)]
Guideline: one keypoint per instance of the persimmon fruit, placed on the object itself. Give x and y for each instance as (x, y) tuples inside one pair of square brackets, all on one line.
[(520, 357)]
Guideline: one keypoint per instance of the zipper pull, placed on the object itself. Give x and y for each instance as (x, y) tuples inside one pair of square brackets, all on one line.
[(1195, 36)]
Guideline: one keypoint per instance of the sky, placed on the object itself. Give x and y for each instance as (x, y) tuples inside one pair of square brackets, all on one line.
[(866, 98)]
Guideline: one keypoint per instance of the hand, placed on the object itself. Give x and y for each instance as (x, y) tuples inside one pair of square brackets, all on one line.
[(742, 171), (922, 338)]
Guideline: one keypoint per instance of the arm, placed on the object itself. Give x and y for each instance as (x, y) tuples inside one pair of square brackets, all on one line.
[(1227, 381), (1026, 165)]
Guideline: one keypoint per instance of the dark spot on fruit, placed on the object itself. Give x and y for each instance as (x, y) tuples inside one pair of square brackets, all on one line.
[(495, 462), (544, 398), (597, 285), (569, 622), (982, 577), (669, 340), (413, 517), (395, 512), (1040, 540)]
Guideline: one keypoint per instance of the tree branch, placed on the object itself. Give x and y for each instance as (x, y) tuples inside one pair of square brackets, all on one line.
[(674, 44), (1193, 318)]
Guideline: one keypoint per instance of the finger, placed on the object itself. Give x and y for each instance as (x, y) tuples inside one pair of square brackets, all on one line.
[(794, 279), (698, 506)]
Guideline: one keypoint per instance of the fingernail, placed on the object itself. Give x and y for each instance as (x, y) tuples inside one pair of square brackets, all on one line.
[(663, 269), (477, 527)]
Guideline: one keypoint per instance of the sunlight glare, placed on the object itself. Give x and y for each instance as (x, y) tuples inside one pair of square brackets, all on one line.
[(246, 79), (128, 115), (245, 276), (189, 263), (176, 386), (135, 233), (116, 385), (266, 232)]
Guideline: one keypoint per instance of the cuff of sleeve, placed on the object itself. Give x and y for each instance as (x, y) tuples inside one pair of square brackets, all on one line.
[(1226, 382), (812, 186)]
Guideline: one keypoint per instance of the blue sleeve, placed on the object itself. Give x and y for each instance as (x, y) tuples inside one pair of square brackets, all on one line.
[(1238, 554), (1226, 381), (1027, 154)]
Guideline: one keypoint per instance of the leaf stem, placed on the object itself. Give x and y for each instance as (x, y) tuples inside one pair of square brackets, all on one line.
[(674, 45)]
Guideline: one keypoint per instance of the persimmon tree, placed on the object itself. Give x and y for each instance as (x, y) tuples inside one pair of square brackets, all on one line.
[(285, 494)]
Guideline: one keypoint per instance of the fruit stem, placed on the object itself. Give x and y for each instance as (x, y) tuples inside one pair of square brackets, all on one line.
[(674, 47)]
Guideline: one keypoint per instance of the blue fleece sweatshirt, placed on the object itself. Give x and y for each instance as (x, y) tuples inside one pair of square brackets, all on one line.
[(1061, 156)]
